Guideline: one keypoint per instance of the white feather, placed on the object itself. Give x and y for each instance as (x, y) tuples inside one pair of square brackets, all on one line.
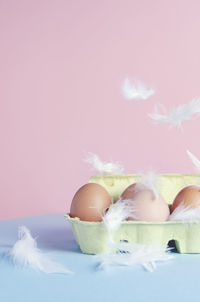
[(177, 115), (194, 159), (185, 213), (149, 180), (128, 254), (117, 213), (103, 167), (125, 253), (136, 91), (25, 253)]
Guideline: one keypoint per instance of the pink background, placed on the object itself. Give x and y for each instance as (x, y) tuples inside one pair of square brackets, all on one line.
[(61, 68)]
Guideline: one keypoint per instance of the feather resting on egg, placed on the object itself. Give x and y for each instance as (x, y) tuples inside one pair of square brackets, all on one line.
[(185, 213)]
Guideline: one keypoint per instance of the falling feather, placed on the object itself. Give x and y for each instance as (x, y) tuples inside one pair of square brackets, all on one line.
[(185, 213), (135, 91), (194, 159), (103, 167), (25, 253), (177, 115)]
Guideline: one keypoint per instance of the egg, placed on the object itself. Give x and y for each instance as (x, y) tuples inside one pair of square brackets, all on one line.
[(147, 206), (90, 202), (129, 192), (189, 196)]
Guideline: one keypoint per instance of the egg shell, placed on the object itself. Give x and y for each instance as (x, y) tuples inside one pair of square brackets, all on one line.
[(189, 196), (147, 206), (90, 202), (129, 192)]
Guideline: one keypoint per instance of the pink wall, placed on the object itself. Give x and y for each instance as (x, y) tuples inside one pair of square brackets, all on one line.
[(61, 67)]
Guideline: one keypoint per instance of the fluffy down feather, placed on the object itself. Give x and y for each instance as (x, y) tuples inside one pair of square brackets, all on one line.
[(25, 253), (185, 213), (117, 213), (128, 254), (136, 91), (149, 180), (125, 253), (177, 115), (103, 167)]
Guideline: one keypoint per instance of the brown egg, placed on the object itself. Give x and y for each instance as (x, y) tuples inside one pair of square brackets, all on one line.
[(129, 192), (90, 202), (147, 206), (189, 196)]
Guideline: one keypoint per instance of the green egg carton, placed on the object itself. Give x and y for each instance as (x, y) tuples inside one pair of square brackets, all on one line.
[(92, 236)]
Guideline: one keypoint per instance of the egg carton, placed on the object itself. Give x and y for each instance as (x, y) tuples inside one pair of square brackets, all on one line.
[(92, 236)]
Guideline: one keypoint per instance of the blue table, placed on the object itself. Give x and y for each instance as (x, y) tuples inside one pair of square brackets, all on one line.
[(176, 280)]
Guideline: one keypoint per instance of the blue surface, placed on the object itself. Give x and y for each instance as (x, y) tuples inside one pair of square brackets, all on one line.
[(176, 280)]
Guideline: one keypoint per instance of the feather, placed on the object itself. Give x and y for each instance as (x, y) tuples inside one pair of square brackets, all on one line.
[(136, 91), (125, 253), (117, 213), (185, 213), (177, 115), (25, 253), (103, 167), (149, 180), (128, 254), (194, 159)]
